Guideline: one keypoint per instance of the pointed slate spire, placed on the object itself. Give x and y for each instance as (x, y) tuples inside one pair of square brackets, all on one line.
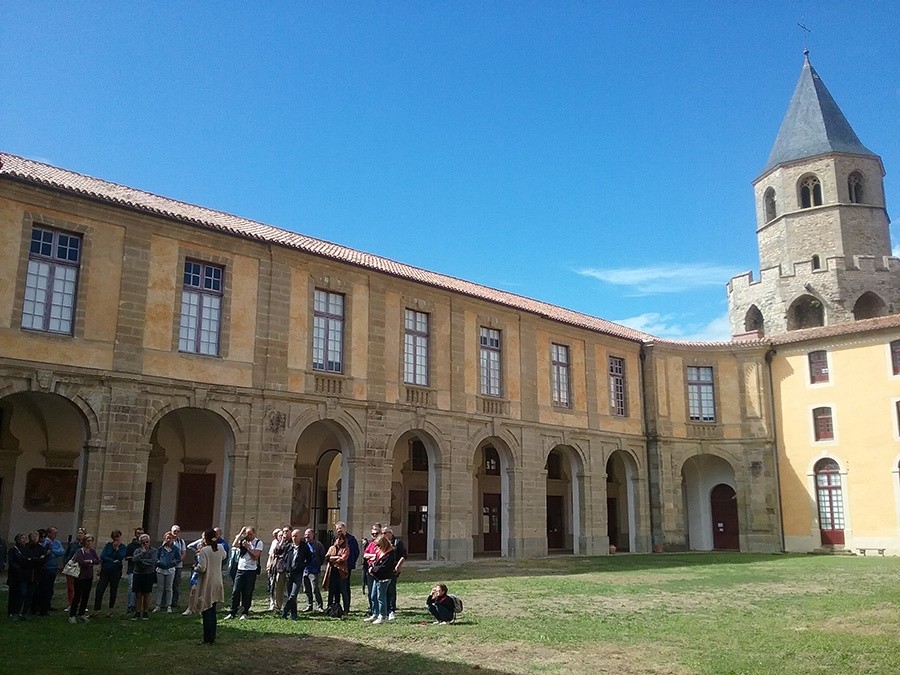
[(813, 125)]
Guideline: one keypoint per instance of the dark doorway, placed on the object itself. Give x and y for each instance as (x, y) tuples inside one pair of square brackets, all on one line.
[(145, 517), (723, 507), (555, 522), (490, 521), (196, 498), (612, 518), (417, 522)]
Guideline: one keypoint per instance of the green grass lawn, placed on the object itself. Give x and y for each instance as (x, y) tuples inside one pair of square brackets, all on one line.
[(670, 613)]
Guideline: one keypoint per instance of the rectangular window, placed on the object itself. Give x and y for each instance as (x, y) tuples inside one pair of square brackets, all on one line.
[(823, 425), (415, 349), (559, 374), (818, 367), (51, 283), (328, 332), (489, 340), (201, 308), (895, 357), (617, 397), (701, 394)]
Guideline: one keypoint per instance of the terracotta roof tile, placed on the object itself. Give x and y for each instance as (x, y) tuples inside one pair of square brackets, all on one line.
[(38, 173), (862, 326)]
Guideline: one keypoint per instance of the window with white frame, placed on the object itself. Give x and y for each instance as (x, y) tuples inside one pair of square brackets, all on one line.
[(489, 341), (328, 331), (818, 366), (51, 283), (201, 308), (559, 375), (823, 425), (415, 351), (617, 393), (829, 495), (701, 394)]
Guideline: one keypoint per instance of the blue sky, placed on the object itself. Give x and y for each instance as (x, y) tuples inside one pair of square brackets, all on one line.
[(598, 156)]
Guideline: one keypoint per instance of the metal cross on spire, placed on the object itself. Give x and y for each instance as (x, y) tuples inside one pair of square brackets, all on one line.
[(806, 32)]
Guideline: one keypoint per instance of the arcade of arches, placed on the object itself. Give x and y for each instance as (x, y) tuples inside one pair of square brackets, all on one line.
[(451, 491)]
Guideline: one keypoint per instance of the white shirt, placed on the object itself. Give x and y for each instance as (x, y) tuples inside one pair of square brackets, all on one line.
[(247, 562)]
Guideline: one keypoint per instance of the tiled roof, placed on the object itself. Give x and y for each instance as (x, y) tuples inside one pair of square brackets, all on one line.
[(38, 173), (856, 327), (813, 124)]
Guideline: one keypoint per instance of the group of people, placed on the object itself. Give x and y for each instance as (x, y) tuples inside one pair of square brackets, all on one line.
[(296, 562)]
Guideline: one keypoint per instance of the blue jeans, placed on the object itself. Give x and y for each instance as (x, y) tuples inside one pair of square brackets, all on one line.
[(379, 597), (290, 601)]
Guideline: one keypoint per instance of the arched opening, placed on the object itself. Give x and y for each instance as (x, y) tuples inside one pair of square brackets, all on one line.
[(830, 502), (868, 306), (700, 475), (491, 513), (563, 500), (318, 492), (185, 472), (753, 321), (769, 201), (805, 312), (620, 501), (855, 187), (816, 262), (810, 191), (42, 436), (414, 492)]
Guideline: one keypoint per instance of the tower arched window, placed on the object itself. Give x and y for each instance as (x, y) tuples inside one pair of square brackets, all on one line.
[(769, 202), (810, 192), (816, 262), (805, 312), (753, 320), (855, 187), (868, 306)]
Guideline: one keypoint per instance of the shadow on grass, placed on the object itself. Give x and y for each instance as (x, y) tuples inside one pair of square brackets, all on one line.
[(484, 568)]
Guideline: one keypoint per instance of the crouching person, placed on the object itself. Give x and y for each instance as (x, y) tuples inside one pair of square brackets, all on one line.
[(442, 605)]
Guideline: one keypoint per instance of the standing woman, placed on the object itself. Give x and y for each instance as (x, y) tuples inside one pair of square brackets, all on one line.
[(167, 557), (87, 558), (382, 570), (111, 557), (35, 554), (71, 549), (337, 575), (209, 590), (16, 578), (144, 559)]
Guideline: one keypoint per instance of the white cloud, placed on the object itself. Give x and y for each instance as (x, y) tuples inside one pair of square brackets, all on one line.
[(675, 278), (895, 250), (679, 327)]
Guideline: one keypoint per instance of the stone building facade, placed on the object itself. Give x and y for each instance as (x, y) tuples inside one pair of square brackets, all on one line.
[(162, 362)]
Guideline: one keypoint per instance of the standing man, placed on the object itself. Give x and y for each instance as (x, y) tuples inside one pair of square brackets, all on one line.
[(312, 570), (182, 549), (400, 548), (55, 552), (295, 559), (249, 548), (341, 528), (129, 558)]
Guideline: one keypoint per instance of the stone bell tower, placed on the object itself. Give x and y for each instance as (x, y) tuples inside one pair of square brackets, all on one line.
[(821, 225)]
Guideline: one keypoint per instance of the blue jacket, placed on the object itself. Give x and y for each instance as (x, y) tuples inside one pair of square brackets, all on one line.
[(55, 551), (167, 559), (112, 558)]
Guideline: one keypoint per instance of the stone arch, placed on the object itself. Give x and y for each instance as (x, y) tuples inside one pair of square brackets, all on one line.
[(856, 188), (43, 435), (809, 191), (621, 500), (415, 455), (805, 311), (868, 306), (700, 474), (769, 204), (493, 488), (321, 485), (340, 421), (753, 321), (565, 498), (189, 470)]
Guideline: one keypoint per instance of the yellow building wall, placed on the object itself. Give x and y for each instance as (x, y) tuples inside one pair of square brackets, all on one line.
[(862, 393)]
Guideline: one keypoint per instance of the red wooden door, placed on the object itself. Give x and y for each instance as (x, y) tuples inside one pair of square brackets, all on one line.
[(417, 522), (490, 521), (555, 522), (831, 502), (723, 506)]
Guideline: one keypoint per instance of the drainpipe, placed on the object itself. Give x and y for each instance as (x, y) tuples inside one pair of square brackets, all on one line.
[(645, 431), (770, 354)]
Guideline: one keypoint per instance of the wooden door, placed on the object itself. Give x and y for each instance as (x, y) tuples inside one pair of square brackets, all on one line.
[(723, 507), (417, 522), (555, 522), (490, 521)]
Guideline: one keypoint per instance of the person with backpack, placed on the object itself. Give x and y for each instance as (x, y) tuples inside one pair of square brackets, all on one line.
[(443, 606)]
